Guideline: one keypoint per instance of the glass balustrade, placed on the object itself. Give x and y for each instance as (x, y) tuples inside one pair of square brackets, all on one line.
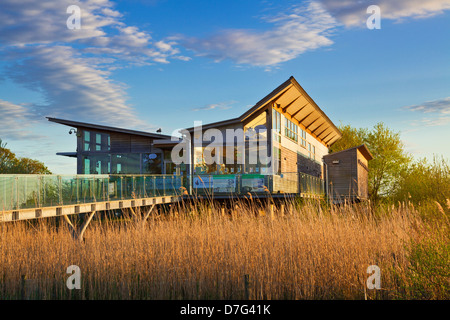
[(35, 191)]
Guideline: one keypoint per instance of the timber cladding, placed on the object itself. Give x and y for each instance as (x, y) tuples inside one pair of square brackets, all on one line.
[(292, 161), (288, 160), (363, 175), (348, 173), (125, 143), (309, 166)]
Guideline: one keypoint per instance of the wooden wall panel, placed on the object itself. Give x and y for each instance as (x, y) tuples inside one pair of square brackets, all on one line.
[(140, 144), (120, 143)]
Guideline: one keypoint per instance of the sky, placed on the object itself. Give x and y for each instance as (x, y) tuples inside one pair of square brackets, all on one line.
[(149, 64)]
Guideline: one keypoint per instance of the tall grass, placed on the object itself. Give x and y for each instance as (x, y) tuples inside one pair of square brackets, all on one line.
[(201, 250)]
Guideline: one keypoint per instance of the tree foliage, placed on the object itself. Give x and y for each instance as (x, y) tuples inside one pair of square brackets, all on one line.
[(423, 181), (10, 164), (388, 151)]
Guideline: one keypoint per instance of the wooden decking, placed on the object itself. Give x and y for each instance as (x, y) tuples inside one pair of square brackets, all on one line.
[(46, 212)]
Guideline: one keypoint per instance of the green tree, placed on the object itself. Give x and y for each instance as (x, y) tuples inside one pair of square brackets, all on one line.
[(388, 151), (351, 137), (10, 164), (424, 181)]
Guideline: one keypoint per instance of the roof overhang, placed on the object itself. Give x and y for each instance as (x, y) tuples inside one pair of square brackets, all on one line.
[(293, 100), (167, 143), (361, 148), (365, 152), (67, 154), (214, 125), (78, 124)]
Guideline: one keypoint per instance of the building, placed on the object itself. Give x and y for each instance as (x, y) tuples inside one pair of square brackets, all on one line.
[(348, 174), (296, 133), (109, 150)]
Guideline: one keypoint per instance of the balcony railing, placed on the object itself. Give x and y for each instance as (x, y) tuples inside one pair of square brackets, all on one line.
[(239, 184), (37, 191)]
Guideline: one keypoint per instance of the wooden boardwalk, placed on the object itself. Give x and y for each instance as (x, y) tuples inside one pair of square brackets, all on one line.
[(65, 210)]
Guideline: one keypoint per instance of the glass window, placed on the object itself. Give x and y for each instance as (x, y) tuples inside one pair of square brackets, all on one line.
[(98, 142), (93, 141), (276, 119), (311, 151), (96, 164), (230, 163), (87, 166), (87, 141), (225, 164), (303, 136), (291, 130), (276, 125), (277, 160), (126, 163), (152, 163)]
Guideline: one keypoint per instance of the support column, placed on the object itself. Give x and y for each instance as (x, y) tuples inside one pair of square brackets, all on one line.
[(78, 232), (147, 214)]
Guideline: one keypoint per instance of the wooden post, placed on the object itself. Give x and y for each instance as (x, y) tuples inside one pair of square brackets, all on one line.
[(84, 226), (223, 211), (148, 213), (234, 212), (23, 290), (208, 218), (272, 216), (247, 287), (282, 210)]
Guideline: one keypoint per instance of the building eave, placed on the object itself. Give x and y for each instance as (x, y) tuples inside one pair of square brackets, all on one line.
[(78, 124)]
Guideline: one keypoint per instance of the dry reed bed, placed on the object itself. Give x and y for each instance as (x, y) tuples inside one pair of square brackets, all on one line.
[(195, 252)]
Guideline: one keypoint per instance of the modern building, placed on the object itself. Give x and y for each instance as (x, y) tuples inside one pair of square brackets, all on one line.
[(109, 150), (296, 133)]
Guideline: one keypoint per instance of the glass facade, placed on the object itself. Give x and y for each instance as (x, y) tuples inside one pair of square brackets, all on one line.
[(152, 163), (97, 158), (225, 163), (276, 125), (126, 163), (96, 164)]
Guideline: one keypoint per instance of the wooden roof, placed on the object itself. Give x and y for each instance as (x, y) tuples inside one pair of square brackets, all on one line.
[(294, 101), (361, 148)]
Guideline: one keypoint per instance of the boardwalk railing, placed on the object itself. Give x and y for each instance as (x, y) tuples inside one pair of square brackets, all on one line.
[(38, 191), (241, 184)]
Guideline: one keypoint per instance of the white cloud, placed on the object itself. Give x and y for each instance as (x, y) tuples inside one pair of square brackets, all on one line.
[(220, 105), (36, 22), (303, 28), (353, 12), (72, 68), (437, 111), (15, 122), (72, 87), (439, 106)]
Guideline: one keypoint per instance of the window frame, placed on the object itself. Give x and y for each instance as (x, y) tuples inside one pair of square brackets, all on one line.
[(290, 130)]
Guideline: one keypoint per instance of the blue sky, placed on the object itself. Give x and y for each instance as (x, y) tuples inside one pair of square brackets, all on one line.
[(165, 64)]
